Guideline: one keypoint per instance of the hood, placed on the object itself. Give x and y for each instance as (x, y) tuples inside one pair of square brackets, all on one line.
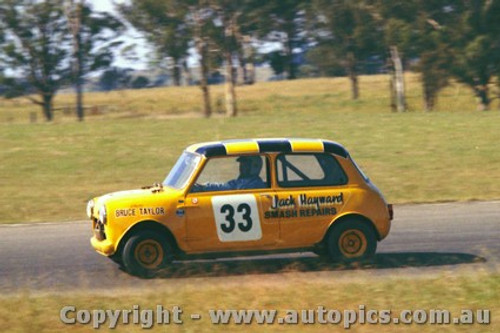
[(156, 194)]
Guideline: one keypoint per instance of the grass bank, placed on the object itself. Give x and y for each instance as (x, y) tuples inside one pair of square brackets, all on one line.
[(49, 171), (283, 292), (324, 94)]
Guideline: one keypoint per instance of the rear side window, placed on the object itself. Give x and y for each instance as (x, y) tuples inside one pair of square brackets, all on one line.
[(299, 170)]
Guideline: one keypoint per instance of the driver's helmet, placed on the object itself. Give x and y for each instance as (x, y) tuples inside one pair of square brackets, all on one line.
[(254, 164)]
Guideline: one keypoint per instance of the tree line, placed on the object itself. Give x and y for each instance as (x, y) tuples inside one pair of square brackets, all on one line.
[(49, 44)]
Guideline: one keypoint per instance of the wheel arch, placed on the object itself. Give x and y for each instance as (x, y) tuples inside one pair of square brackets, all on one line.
[(149, 225), (349, 217)]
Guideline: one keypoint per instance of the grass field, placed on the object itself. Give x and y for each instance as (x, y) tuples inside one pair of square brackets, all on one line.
[(288, 291), (132, 138), (325, 94), (49, 171)]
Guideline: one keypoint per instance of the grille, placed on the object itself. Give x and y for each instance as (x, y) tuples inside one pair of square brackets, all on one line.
[(99, 232)]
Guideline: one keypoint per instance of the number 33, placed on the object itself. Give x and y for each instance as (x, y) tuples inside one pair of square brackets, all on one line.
[(231, 223), (236, 218)]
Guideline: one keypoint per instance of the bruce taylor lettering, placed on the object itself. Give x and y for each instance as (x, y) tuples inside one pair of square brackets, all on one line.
[(153, 211)]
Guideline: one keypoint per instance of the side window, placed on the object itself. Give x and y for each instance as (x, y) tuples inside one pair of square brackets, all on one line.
[(233, 173), (296, 170)]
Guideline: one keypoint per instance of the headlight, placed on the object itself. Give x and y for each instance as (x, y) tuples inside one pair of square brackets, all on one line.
[(90, 208), (102, 214)]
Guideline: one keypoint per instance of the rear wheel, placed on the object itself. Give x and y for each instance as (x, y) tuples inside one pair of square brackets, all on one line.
[(351, 241), (146, 253)]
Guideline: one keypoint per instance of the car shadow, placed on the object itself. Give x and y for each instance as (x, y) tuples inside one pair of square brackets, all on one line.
[(312, 263)]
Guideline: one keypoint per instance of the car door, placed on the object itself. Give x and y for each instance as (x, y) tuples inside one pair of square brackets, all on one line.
[(220, 217), (310, 193)]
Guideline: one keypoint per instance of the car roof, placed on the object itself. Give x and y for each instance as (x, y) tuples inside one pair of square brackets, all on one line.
[(267, 145)]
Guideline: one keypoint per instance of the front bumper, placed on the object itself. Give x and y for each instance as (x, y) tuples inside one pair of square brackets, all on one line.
[(104, 247), (99, 241)]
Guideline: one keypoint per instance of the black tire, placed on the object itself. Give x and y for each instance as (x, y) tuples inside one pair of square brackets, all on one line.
[(117, 258), (321, 252), (145, 253), (350, 241)]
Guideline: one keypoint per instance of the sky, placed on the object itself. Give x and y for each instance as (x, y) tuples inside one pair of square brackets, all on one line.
[(131, 36), (104, 5), (143, 50)]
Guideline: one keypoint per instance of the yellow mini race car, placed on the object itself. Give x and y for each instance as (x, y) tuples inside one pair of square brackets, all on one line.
[(248, 196)]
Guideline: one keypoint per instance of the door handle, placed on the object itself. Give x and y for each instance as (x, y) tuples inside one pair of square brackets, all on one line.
[(188, 203)]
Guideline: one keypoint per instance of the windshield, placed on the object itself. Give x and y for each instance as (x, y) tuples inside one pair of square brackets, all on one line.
[(182, 170)]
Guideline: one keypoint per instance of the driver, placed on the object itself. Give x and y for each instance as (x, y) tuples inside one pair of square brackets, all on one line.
[(250, 167)]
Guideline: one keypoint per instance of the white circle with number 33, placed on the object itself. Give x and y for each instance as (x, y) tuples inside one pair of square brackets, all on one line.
[(236, 217)]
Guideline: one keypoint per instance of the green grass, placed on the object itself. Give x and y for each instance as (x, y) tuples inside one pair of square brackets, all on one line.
[(324, 94), (49, 171), (286, 291)]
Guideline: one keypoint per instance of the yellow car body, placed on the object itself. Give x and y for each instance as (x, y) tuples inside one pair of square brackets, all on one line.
[(292, 210)]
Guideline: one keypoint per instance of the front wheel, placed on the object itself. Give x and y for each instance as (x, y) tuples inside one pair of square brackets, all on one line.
[(146, 253), (117, 258), (351, 241)]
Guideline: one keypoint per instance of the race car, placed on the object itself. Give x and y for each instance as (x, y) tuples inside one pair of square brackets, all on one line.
[(249, 196)]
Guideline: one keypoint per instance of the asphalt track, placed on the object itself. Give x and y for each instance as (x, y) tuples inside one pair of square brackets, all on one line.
[(424, 239)]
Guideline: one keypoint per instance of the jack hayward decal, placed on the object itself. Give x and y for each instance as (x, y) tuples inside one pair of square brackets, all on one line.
[(303, 206)]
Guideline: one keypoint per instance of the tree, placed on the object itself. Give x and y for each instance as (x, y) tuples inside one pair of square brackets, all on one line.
[(93, 35), (34, 43), (350, 31), (227, 13), (434, 64), (140, 82), (237, 22), (115, 78), (200, 21), (277, 61), (169, 17), (421, 29), (246, 57), (165, 27), (477, 45), (280, 21)]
